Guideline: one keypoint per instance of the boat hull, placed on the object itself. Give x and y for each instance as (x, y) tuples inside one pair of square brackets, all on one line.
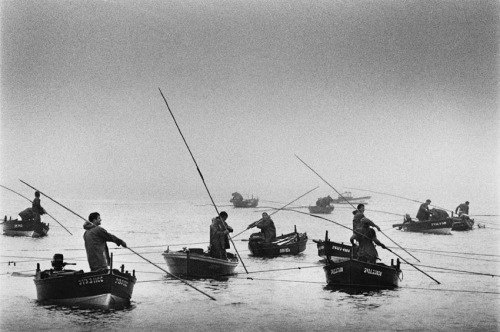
[(357, 274), (247, 203), (103, 289), (442, 226), (289, 244), (333, 249), (462, 223), (30, 228), (320, 209), (195, 263)]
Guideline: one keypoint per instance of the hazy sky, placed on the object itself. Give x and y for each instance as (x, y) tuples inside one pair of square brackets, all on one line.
[(392, 96)]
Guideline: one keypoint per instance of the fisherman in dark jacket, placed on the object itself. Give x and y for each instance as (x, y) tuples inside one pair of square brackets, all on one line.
[(37, 208), (359, 214), (95, 243), (366, 238), (266, 226), (463, 209), (423, 213), (219, 240)]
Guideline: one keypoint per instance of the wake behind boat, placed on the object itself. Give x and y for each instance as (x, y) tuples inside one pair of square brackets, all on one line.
[(194, 262), (102, 289)]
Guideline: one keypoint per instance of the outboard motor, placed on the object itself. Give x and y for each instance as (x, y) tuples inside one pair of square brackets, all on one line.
[(58, 262)]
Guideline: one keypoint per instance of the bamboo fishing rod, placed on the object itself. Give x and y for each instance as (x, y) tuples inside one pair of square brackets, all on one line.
[(352, 205), (44, 209), (202, 179), (257, 222), (79, 216), (312, 215), (408, 199)]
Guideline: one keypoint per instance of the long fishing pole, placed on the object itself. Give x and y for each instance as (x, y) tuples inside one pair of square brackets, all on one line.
[(79, 216), (408, 199), (351, 204), (45, 211), (279, 209), (202, 179), (312, 215)]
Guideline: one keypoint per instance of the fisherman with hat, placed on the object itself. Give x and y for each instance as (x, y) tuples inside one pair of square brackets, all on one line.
[(423, 213)]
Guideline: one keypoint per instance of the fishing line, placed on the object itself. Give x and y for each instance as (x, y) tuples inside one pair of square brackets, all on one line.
[(462, 271)]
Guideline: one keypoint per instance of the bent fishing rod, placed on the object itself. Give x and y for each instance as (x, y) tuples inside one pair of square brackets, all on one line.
[(202, 179), (278, 210), (79, 216), (408, 199), (44, 209), (351, 204), (312, 215)]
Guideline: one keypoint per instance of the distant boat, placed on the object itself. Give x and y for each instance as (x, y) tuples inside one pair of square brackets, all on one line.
[(321, 209), (288, 244), (103, 289), (194, 262), (239, 202), (30, 227), (436, 226), (346, 198)]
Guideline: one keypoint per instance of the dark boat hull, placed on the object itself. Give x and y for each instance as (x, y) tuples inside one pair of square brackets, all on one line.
[(462, 223), (195, 263), (30, 228), (247, 203), (333, 249), (354, 273), (99, 289), (442, 226), (320, 209), (289, 244)]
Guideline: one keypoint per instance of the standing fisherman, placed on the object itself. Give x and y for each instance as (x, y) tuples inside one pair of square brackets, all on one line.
[(423, 213), (463, 209), (366, 236), (95, 242), (359, 214), (37, 208), (219, 240)]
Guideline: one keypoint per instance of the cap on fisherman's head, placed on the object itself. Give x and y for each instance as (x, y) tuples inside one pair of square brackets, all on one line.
[(428, 201)]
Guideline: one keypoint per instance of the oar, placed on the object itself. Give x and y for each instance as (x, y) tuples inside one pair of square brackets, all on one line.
[(278, 210), (408, 199), (351, 204), (32, 202), (79, 216), (201, 175)]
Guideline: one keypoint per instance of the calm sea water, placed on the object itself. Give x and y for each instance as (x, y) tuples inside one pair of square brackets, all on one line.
[(279, 294)]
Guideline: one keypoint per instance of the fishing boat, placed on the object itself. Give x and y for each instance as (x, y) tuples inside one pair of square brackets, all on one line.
[(29, 227), (194, 262), (462, 223), (347, 198), (433, 226), (102, 289), (334, 250), (239, 202), (352, 273), (288, 244), (320, 209)]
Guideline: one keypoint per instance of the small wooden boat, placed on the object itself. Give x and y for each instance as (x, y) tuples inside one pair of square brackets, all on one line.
[(462, 223), (103, 289), (194, 262), (239, 202), (30, 227), (352, 273), (438, 226), (334, 250), (288, 244), (321, 209)]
